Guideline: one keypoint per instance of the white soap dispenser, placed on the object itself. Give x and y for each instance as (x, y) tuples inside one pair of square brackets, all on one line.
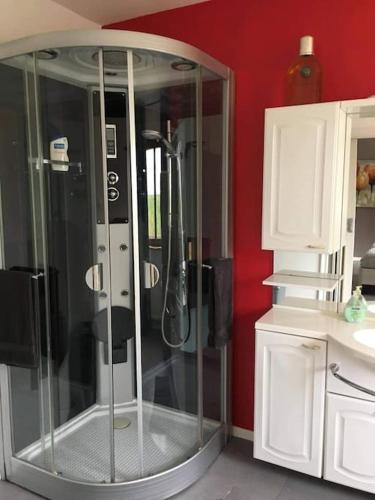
[(58, 150)]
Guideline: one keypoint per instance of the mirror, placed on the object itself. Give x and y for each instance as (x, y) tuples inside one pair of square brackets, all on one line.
[(359, 237), (364, 235)]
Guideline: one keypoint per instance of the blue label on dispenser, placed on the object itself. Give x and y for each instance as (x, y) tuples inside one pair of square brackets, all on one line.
[(59, 145)]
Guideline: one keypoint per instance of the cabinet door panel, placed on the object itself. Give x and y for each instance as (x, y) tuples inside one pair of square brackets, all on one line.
[(298, 167), (302, 172), (290, 380), (350, 442), (287, 364)]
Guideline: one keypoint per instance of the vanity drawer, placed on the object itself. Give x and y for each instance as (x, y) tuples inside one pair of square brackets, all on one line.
[(353, 368)]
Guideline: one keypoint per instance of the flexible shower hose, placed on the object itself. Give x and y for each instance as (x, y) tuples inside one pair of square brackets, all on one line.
[(169, 251)]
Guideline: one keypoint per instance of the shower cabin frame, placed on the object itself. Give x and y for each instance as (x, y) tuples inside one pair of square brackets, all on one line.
[(172, 481)]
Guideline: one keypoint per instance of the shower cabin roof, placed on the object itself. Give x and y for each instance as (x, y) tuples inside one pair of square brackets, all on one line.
[(138, 42)]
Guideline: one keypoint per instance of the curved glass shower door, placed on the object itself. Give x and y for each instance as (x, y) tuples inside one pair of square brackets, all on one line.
[(168, 132), (166, 135), (68, 250), (159, 430)]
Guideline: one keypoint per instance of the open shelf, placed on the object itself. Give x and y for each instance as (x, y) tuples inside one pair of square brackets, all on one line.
[(302, 279), (61, 163), (75, 164)]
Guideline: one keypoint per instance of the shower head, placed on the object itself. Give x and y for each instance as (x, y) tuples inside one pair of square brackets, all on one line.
[(154, 135)]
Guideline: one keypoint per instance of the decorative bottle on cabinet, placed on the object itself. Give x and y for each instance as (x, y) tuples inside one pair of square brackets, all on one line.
[(304, 77)]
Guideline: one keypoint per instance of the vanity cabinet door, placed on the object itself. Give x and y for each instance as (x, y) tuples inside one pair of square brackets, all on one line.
[(302, 178), (289, 401), (350, 442)]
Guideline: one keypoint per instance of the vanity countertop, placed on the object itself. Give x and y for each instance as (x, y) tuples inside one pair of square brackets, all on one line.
[(319, 325)]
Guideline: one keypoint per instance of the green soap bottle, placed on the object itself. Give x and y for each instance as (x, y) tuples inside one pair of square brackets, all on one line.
[(356, 308)]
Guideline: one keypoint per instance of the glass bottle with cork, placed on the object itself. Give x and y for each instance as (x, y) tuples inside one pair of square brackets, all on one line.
[(304, 77)]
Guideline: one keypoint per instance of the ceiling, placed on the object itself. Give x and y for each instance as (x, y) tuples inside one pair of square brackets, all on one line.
[(109, 11)]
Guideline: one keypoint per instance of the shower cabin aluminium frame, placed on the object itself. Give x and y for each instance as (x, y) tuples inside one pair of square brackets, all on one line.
[(172, 481)]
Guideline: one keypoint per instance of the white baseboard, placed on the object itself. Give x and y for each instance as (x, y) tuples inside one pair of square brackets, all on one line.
[(242, 433)]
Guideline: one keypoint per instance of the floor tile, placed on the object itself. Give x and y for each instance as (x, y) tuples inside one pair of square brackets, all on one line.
[(302, 487), (237, 476), (10, 491)]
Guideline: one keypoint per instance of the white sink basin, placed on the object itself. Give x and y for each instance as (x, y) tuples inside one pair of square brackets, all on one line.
[(365, 337)]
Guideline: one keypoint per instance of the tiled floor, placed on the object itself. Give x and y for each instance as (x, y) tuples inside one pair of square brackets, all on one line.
[(236, 476)]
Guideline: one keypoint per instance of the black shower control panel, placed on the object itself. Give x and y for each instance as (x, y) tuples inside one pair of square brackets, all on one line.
[(117, 156)]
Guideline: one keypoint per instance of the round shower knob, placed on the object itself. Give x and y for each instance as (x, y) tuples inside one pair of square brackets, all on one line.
[(112, 178), (113, 194)]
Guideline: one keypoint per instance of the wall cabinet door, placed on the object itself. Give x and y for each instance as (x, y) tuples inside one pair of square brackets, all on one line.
[(350, 442), (302, 180), (289, 401)]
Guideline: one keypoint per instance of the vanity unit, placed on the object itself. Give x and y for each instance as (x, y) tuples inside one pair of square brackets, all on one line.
[(305, 415), (315, 373)]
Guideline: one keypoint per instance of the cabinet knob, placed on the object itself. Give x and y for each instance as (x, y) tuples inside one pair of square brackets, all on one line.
[(311, 347), (316, 247)]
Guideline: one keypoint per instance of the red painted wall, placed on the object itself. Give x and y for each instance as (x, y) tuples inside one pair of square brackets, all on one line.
[(258, 39)]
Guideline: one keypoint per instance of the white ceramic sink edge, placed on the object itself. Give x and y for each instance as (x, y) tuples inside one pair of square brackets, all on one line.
[(365, 337)]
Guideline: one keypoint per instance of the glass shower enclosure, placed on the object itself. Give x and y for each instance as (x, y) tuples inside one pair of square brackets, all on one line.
[(114, 203)]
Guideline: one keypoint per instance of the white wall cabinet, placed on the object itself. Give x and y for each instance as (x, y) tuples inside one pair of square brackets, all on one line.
[(289, 401), (350, 442), (302, 179)]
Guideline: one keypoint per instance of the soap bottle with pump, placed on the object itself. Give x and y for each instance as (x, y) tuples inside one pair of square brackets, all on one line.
[(356, 308)]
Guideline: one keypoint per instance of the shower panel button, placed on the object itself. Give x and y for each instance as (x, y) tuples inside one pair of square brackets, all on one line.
[(113, 194), (112, 178)]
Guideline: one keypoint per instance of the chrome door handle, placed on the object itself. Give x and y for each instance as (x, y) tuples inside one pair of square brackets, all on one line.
[(94, 277), (311, 347), (335, 368), (152, 275)]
